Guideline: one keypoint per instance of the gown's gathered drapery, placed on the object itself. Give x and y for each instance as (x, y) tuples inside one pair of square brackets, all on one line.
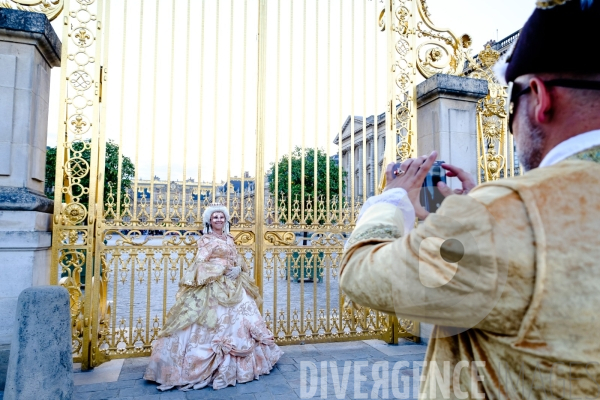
[(214, 335)]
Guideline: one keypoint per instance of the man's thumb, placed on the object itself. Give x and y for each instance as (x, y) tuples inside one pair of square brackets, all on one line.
[(444, 189)]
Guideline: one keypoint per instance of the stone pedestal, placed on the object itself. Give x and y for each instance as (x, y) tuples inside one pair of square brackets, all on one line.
[(447, 122), (40, 364), (29, 48), (25, 242), (447, 119)]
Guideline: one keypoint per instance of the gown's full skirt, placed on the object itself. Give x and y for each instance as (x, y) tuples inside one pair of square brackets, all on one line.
[(237, 349)]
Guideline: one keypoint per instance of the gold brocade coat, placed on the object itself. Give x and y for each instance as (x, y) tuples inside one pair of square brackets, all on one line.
[(204, 285), (521, 307)]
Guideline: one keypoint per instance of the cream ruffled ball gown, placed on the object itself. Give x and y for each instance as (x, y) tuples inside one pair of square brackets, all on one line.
[(214, 334)]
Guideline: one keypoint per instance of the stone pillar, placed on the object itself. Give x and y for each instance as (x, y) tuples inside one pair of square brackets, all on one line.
[(447, 119), (447, 122), (29, 48)]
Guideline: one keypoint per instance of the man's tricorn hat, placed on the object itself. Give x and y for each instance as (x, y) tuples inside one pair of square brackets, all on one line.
[(557, 38)]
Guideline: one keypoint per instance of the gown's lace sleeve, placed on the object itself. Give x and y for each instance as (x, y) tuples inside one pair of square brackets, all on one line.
[(205, 248)]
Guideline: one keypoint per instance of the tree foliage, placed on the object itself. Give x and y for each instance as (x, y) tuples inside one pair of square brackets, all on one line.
[(307, 178), (111, 170)]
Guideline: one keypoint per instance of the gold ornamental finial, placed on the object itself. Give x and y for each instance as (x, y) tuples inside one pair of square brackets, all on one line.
[(489, 56)]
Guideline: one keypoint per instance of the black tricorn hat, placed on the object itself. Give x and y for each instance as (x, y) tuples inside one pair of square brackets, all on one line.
[(556, 38)]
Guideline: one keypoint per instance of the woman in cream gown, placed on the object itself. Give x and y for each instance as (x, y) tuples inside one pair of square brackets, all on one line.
[(214, 335)]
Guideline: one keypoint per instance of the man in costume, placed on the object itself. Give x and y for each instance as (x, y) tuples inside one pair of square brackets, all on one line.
[(508, 271)]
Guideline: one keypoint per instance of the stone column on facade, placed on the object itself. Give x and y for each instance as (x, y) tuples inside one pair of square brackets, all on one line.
[(29, 48), (447, 123)]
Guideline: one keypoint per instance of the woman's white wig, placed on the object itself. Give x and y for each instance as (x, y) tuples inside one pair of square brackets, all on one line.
[(210, 210)]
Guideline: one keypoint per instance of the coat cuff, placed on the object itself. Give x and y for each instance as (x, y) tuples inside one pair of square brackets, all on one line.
[(398, 198)]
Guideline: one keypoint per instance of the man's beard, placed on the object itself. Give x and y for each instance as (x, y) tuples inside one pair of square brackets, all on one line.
[(530, 145)]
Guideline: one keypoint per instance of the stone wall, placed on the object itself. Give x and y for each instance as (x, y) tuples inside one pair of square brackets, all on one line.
[(29, 49)]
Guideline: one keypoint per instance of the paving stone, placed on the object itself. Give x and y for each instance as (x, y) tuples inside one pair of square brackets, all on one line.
[(411, 357), (292, 376), (134, 368), (149, 397), (90, 388), (263, 396), (273, 379), (324, 357), (287, 368), (330, 394), (136, 361), (300, 347), (250, 387), (145, 383), (280, 388), (354, 356), (286, 360), (138, 391), (344, 357), (103, 395), (294, 384), (291, 396), (120, 384), (343, 346), (208, 393), (173, 395), (197, 394), (298, 360), (130, 376), (377, 359)]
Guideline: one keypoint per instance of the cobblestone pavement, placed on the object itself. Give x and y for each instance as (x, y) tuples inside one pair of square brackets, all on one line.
[(384, 376)]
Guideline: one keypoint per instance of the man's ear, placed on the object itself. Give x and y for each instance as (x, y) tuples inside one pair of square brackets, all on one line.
[(541, 101)]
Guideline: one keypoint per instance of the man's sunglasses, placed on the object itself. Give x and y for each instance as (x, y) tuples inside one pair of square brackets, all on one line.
[(514, 94)]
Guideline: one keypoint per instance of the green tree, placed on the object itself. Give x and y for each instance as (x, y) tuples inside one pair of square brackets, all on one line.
[(111, 170), (50, 171), (298, 178)]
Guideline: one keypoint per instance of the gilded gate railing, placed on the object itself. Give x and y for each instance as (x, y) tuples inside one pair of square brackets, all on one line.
[(73, 242), (240, 104), (415, 47), (496, 150)]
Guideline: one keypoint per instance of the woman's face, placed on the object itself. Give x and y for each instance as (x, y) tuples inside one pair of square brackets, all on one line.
[(217, 221)]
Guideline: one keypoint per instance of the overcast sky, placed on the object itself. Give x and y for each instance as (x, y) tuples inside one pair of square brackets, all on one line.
[(481, 18), (219, 115)]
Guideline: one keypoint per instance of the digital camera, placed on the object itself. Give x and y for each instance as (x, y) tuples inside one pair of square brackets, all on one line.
[(431, 198)]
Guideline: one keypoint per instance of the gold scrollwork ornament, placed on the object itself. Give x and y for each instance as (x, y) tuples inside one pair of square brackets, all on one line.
[(281, 239), (52, 8), (244, 238)]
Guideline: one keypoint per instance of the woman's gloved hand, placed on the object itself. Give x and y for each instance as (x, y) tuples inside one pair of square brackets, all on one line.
[(233, 272)]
